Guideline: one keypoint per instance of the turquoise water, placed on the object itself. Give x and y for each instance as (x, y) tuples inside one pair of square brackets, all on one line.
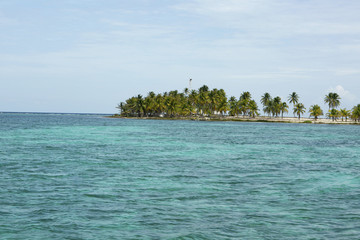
[(89, 177)]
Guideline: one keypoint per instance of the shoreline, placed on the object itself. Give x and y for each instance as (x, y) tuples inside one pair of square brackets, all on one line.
[(248, 119)]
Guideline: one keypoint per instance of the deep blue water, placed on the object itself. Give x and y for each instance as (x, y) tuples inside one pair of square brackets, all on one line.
[(88, 177)]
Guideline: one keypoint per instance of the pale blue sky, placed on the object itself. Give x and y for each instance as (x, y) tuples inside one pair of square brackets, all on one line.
[(88, 55)]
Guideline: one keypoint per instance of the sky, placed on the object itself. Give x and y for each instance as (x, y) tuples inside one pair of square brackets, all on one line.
[(86, 56)]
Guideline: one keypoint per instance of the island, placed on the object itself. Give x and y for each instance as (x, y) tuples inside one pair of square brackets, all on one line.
[(213, 105)]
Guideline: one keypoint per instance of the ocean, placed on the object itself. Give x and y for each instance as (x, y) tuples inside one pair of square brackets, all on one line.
[(78, 176)]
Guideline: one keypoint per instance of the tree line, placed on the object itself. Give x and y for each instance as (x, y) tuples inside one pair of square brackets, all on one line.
[(206, 102)]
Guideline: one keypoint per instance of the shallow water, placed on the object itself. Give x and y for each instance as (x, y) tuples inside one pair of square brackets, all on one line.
[(89, 177)]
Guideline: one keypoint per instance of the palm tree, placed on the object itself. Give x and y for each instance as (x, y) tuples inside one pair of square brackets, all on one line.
[(223, 106), (315, 111), (333, 100), (333, 114), (265, 99), (204, 102), (120, 106), (193, 98), (344, 113), (171, 105), (159, 104), (204, 88), (213, 100), (284, 108), (186, 91), (269, 108), (293, 98), (245, 96), (139, 105), (233, 106), (277, 105), (253, 109), (299, 109), (356, 113)]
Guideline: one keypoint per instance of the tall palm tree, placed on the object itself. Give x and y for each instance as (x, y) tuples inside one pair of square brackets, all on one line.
[(139, 105), (204, 102), (171, 105), (265, 99), (315, 111), (193, 98), (233, 106), (284, 109), (333, 100), (299, 109), (213, 100), (245, 96), (293, 98), (269, 108), (120, 106), (223, 106), (253, 109), (159, 105), (277, 105)]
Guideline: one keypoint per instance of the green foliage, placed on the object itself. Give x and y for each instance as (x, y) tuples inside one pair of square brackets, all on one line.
[(333, 100), (344, 113), (315, 111), (293, 98), (355, 115), (203, 102), (299, 109), (206, 102), (307, 121), (333, 114)]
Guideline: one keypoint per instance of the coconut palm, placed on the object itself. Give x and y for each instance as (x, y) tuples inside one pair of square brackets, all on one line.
[(120, 106), (139, 105), (223, 106), (315, 111), (356, 113), (171, 106), (293, 98), (204, 102), (344, 113), (277, 105), (265, 99), (283, 109), (333, 100), (233, 106), (333, 114), (204, 88), (299, 109), (213, 100), (253, 109), (186, 91), (245, 96), (269, 108)]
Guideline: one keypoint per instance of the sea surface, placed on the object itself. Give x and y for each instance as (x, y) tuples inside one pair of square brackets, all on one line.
[(72, 176)]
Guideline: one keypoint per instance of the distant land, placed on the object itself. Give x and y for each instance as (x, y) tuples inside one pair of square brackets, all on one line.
[(214, 105)]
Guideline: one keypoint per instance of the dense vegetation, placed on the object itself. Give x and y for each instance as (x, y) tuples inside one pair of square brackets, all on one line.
[(206, 102)]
